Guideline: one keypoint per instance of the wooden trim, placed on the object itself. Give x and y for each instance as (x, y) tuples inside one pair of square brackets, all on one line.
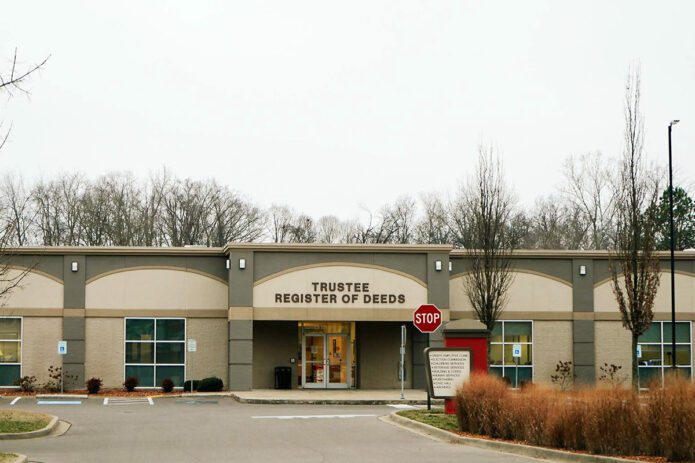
[(339, 264), (521, 270), (667, 272), (360, 248), (156, 267), (38, 272)]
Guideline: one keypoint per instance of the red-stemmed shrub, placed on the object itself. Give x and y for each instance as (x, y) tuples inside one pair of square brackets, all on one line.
[(93, 385), (167, 385), (130, 383)]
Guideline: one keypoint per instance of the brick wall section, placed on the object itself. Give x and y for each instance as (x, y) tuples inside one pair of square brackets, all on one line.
[(104, 353), (40, 346), (613, 343), (552, 342), (210, 357)]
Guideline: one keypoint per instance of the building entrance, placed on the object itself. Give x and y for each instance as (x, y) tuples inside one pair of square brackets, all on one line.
[(327, 355)]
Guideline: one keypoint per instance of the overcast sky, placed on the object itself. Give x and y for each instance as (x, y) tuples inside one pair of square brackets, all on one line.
[(333, 106)]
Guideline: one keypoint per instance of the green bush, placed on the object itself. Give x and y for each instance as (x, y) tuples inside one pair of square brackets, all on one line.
[(187, 385), (212, 384)]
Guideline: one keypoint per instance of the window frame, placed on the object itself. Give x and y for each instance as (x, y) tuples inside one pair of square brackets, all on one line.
[(662, 345), (154, 343), (21, 348), (504, 343)]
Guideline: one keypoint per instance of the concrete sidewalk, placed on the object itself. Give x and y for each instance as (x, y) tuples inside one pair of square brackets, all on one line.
[(333, 396)]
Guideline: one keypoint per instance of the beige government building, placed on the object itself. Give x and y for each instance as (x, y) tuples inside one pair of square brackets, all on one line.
[(332, 313)]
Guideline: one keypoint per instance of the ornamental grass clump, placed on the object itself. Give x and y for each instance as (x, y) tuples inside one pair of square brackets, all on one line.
[(611, 421), (671, 418), (479, 405)]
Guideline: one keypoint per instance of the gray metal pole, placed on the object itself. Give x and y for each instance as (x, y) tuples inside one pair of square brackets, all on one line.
[(402, 361), (673, 260)]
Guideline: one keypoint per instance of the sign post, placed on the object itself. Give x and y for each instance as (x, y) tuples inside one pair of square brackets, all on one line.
[(516, 353), (192, 347), (62, 350), (402, 361), (427, 318)]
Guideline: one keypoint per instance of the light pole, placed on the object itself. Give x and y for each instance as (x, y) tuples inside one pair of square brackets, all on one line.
[(673, 260)]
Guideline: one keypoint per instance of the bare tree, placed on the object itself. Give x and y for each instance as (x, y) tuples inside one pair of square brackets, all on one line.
[(486, 206), (433, 226), (554, 225), (16, 204), (14, 80), (280, 222), (589, 193), (329, 229), (633, 263)]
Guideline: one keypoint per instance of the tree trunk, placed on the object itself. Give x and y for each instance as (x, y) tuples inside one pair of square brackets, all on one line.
[(635, 368)]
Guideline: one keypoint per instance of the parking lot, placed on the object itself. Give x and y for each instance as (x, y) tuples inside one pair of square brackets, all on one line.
[(220, 429)]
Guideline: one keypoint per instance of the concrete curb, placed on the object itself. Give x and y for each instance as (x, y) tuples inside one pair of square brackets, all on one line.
[(32, 434), (194, 394), (61, 396), (506, 447), (245, 400)]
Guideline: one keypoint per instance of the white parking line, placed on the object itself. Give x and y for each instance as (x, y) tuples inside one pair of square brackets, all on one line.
[(16, 399), (106, 400), (402, 406), (306, 417), (149, 399)]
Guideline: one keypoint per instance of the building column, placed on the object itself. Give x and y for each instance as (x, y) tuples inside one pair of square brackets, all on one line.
[(240, 320), (73, 321), (583, 346)]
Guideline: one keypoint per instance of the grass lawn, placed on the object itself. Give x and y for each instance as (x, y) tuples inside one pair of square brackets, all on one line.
[(20, 421), (7, 457), (435, 417)]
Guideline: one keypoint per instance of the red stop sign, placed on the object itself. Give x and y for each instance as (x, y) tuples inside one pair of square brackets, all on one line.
[(427, 318)]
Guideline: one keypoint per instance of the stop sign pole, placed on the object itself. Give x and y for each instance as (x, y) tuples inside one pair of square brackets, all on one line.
[(427, 318)]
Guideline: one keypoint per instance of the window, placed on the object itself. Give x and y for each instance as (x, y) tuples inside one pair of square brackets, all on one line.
[(10, 350), (656, 351), (502, 361), (155, 349)]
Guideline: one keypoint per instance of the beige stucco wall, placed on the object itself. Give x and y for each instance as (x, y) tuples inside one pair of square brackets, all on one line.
[(39, 346), (528, 292), (604, 299), (104, 350), (613, 345), (381, 281), (156, 289), (35, 291), (552, 342), (210, 357)]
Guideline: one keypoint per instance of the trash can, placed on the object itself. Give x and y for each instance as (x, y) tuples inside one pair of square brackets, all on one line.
[(283, 378)]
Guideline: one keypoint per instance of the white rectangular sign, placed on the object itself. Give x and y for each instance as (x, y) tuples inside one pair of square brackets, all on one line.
[(62, 347), (639, 351), (192, 345), (447, 369), (516, 350)]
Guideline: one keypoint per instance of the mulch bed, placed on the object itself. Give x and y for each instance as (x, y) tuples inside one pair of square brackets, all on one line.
[(102, 393)]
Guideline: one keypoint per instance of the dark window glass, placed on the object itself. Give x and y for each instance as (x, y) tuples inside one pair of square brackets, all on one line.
[(682, 355), (139, 352), (139, 329), (8, 374), (517, 331), (496, 335), (649, 374), (653, 333), (170, 352), (175, 373), (682, 332), (144, 374), (171, 330)]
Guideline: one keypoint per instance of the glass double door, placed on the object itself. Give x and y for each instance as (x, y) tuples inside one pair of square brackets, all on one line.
[(325, 360)]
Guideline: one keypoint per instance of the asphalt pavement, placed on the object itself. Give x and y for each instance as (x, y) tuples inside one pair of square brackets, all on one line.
[(218, 429)]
